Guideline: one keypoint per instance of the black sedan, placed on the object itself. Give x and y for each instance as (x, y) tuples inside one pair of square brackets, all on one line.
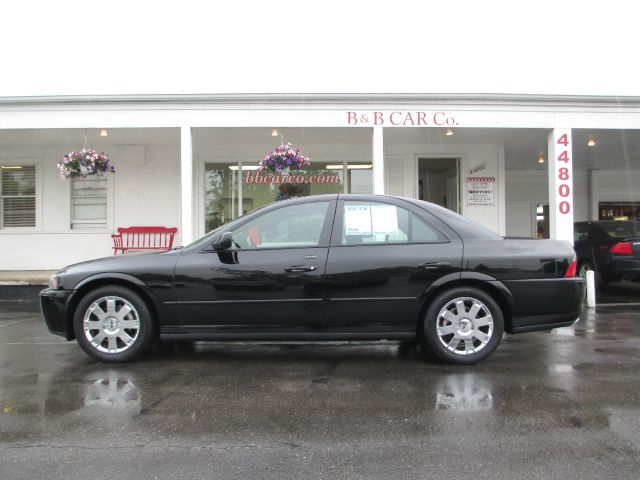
[(330, 267), (610, 248)]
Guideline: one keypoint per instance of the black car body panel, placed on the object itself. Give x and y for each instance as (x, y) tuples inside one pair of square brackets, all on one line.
[(151, 274), (54, 307), (332, 289), (593, 241), (532, 271), (250, 292)]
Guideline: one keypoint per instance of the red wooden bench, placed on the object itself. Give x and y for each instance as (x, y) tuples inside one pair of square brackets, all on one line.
[(143, 238)]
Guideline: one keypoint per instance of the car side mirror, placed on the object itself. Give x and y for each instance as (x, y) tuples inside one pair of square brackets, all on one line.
[(224, 241)]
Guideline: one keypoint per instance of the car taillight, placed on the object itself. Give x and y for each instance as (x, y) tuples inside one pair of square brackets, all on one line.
[(622, 248), (571, 271)]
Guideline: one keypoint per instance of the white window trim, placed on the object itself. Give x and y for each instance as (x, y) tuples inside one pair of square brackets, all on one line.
[(461, 160), (108, 228), (38, 164)]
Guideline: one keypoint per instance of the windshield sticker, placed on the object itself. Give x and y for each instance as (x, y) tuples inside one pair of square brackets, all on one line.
[(357, 220), (384, 219), (367, 220)]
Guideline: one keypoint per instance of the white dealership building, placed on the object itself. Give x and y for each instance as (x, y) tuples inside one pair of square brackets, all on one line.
[(527, 165)]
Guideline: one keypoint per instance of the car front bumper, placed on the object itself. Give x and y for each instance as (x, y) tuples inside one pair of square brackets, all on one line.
[(53, 305)]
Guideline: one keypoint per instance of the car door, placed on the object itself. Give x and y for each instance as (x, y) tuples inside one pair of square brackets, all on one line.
[(270, 282), (384, 255)]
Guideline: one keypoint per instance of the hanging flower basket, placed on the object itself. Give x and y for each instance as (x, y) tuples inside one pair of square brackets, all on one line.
[(84, 163), (284, 158)]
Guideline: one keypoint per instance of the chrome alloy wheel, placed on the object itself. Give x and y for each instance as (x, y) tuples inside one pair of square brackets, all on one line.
[(464, 325), (111, 324)]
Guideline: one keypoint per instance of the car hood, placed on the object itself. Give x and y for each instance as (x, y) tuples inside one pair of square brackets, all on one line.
[(135, 264)]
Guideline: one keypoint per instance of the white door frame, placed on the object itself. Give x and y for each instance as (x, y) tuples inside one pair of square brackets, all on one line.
[(457, 157)]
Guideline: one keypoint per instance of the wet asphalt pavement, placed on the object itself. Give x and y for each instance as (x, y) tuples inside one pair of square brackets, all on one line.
[(546, 405)]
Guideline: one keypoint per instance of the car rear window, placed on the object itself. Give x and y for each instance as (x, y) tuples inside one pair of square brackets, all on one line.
[(463, 226), (622, 229)]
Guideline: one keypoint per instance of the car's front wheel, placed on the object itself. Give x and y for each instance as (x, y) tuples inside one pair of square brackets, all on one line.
[(463, 325), (113, 324)]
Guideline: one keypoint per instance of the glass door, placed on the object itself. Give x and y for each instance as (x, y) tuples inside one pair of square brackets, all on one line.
[(221, 196), (439, 182)]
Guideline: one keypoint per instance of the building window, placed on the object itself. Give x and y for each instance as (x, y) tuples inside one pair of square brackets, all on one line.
[(18, 190), (89, 203)]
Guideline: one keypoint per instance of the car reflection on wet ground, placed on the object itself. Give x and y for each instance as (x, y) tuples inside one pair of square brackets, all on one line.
[(564, 404)]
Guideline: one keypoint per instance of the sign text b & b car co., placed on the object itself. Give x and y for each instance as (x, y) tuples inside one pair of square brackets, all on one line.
[(400, 118)]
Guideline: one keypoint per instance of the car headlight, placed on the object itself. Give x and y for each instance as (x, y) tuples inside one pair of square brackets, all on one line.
[(54, 281)]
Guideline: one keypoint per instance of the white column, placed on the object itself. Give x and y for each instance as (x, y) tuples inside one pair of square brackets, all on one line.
[(378, 161), (186, 186), (561, 184)]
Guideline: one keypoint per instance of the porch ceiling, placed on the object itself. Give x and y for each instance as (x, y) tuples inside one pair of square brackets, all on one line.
[(614, 149)]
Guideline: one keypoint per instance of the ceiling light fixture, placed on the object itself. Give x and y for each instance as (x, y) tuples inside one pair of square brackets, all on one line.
[(541, 159), (103, 132), (449, 132), (274, 132), (591, 142)]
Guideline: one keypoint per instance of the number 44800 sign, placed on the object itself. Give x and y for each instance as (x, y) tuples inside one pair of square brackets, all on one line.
[(563, 172)]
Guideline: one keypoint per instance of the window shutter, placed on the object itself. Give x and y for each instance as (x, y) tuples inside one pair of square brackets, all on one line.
[(18, 190), (89, 203), (395, 176)]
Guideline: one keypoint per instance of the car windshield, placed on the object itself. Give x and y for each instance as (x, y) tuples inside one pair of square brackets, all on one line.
[(622, 229)]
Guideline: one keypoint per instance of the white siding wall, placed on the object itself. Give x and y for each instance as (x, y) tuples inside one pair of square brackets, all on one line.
[(401, 161), (530, 187), (143, 191)]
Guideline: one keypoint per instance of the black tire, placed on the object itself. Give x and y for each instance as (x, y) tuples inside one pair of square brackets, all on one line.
[(473, 337), (583, 267), (123, 324)]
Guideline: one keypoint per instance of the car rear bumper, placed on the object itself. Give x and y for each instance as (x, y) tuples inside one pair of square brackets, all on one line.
[(623, 268), (53, 305), (546, 304)]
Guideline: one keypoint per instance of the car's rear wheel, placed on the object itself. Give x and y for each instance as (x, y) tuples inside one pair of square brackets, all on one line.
[(113, 324), (463, 325)]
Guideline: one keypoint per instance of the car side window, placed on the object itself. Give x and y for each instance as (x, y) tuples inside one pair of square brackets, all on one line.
[(596, 233), (381, 223), (293, 226), (421, 231), (580, 233)]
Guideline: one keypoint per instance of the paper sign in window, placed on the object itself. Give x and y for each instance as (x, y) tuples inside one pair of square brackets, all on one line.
[(384, 219), (357, 220)]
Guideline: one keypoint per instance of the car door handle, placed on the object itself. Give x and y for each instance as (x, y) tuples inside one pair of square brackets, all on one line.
[(434, 265), (300, 268)]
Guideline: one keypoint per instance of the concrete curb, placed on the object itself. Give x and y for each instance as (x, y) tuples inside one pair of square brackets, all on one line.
[(20, 293), (24, 277)]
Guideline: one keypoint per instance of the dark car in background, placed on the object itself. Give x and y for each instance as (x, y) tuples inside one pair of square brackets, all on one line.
[(329, 267), (611, 248)]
